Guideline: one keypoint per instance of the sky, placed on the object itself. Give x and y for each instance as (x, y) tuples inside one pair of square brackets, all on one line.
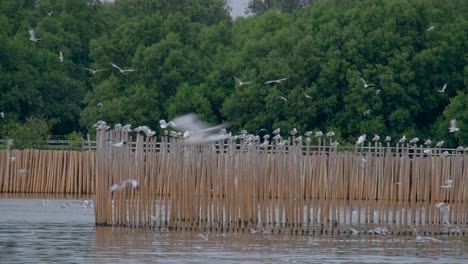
[(238, 7)]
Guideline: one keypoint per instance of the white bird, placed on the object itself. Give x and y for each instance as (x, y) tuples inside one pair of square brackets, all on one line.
[(377, 91), (453, 126), (293, 131), (202, 132), (164, 124), (118, 127), (376, 138), (318, 133), (2, 114), (120, 144), (440, 143), (402, 140), (127, 128), (122, 70), (276, 81), (308, 133), (334, 144), (60, 56), (388, 139), (427, 151), (444, 154), (459, 149), (283, 98), (119, 186), (298, 139), (361, 139), (308, 140), (424, 238), (330, 134), (427, 142), (99, 104), (204, 237), (430, 28), (365, 84), (367, 112), (241, 82), (414, 140), (50, 13), (94, 71), (441, 205), (277, 136), (447, 184), (276, 131), (307, 96), (443, 88), (264, 144), (32, 36)]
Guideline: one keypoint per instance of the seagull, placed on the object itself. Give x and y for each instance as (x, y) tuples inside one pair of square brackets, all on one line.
[(50, 13), (453, 126), (318, 133), (204, 237), (365, 84), (334, 144), (414, 140), (424, 238), (367, 112), (32, 36), (447, 184), (443, 88), (293, 131), (376, 138), (427, 151), (308, 133), (60, 56), (118, 127), (307, 96), (427, 142), (354, 231), (164, 124), (277, 136), (119, 186), (459, 149), (283, 98), (402, 140), (120, 144), (361, 139), (388, 139), (298, 139), (444, 154), (430, 28), (241, 82), (276, 131), (2, 114), (99, 104), (440, 143), (202, 132), (276, 81), (377, 91), (330, 134), (122, 70), (94, 71)]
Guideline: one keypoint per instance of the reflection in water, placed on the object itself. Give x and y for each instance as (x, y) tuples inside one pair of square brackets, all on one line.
[(31, 232)]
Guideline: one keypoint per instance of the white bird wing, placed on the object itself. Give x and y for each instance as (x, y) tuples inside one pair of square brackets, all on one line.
[(281, 80), (189, 122), (32, 34), (453, 123), (237, 79), (444, 87), (363, 81), (117, 67)]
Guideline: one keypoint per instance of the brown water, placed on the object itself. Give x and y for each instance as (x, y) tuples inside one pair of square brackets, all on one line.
[(59, 230)]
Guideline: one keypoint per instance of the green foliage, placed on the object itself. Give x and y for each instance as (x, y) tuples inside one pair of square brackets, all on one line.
[(27, 135)]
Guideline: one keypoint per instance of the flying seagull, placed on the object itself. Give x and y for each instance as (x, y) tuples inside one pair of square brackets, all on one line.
[(122, 70), (120, 144), (119, 186), (307, 96), (50, 13), (283, 98), (2, 114), (32, 36), (365, 84), (94, 71), (453, 126), (430, 28), (241, 82), (99, 104), (164, 124), (60, 56), (276, 81), (442, 90), (201, 132)]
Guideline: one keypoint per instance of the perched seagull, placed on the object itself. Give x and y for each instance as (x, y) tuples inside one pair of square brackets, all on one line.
[(94, 71), (402, 140), (318, 133), (330, 134), (202, 132), (442, 205), (122, 70), (308, 133), (414, 140), (334, 144), (361, 139), (241, 82), (430, 28), (427, 142), (276, 81), (120, 144), (308, 140), (459, 149), (32, 36), (118, 127), (276, 131), (443, 88), (60, 56), (283, 98), (164, 124), (440, 143), (376, 138), (119, 186), (447, 184), (266, 136), (127, 128), (444, 154), (365, 84), (427, 151), (453, 126), (298, 139), (388, 139), (293, 131), (307, 96), (276, 137)]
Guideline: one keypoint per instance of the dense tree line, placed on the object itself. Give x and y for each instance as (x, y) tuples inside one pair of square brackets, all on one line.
[(186, 53)]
